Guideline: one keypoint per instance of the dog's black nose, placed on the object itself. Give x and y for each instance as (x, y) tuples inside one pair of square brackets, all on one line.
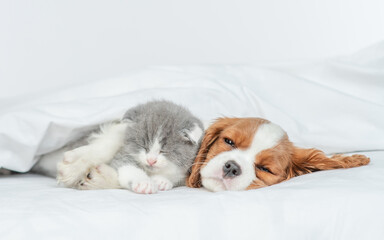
[(231, 169)]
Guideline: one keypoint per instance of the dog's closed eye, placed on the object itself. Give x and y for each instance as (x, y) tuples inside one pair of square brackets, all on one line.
[(230, 142), (264, 169)]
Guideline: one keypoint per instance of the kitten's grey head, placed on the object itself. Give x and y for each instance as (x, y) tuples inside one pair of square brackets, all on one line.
[(161, 133)]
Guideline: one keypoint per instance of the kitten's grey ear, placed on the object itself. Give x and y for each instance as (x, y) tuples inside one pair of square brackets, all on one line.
[(130, 115), (192, 135), (126, 120)]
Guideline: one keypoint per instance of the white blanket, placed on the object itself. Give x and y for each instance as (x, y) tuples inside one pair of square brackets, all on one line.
[(335, 105)]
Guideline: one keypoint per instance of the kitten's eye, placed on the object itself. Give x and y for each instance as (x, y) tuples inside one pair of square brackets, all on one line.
[(162, 152), (142, 146), (89, 176), (229, 142), (264, 169)]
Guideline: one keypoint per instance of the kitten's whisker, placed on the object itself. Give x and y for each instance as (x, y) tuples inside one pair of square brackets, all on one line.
[(199, 163)]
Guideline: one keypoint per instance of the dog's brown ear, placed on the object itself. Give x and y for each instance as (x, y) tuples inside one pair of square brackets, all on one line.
[(211, 134), (312, 160)]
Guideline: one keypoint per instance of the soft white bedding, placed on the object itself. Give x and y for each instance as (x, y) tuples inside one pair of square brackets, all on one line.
[(336, 105), (337, 204)]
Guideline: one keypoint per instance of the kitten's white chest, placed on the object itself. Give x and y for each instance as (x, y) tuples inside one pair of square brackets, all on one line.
[(172, 172)]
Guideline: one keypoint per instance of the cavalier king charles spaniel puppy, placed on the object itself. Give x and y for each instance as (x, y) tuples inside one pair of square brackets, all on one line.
[(249, 153)]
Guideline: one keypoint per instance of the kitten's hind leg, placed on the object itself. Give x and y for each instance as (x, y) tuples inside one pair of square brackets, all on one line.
[(101, 149), (136, 180), (100, 177)]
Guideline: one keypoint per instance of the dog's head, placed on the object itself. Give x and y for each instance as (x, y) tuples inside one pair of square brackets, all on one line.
[(248, 153)]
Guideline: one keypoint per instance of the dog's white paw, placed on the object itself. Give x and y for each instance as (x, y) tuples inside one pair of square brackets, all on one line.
[(144, 186), (162, 183)]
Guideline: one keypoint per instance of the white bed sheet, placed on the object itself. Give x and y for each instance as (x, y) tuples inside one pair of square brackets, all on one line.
[(337, 204)]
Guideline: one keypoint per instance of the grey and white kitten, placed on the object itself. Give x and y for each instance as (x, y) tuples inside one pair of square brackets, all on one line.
[(151, 149)]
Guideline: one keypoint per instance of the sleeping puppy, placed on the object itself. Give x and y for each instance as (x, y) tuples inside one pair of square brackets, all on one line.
[(249, 153)]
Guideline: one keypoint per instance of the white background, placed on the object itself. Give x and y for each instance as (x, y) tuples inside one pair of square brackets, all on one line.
[(50, 44)]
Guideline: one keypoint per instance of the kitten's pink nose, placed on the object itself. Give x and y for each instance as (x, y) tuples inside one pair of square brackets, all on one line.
[(151, 161)]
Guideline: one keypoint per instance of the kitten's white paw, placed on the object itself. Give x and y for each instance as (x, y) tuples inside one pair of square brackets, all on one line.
[(70, 156), (100, 177), (144, 186), (73, 167), (162, 183), (136, 180)]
